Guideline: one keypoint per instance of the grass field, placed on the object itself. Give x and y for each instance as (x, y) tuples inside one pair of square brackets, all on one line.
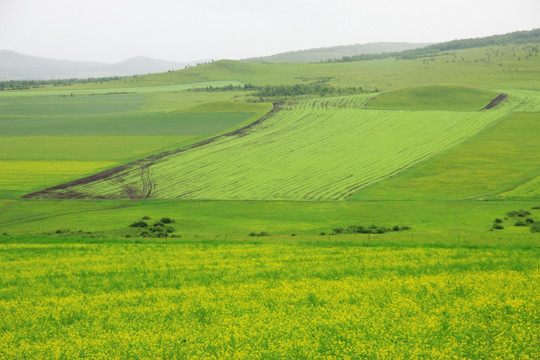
[(270, 299), (219, 219), (498, 159), (49, 140)]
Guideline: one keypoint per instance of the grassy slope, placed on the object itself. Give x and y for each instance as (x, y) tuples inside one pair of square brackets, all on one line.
[(527, 190), (498, 159), (335, 52), (314, 150), (434, 97), (511, 66)]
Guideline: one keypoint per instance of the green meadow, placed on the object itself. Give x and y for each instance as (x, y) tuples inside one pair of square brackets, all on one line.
[(46, 140), (394, 219)]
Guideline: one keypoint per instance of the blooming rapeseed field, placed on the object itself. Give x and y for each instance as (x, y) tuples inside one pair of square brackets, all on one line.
[(269, 299)]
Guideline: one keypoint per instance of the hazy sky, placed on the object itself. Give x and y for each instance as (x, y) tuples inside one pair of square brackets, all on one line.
[(114, 30)]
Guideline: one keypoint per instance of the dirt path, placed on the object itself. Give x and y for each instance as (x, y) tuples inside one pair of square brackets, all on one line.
[(495, 101)]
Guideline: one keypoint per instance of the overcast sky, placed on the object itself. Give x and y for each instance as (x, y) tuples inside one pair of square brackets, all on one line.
[(114, 30)]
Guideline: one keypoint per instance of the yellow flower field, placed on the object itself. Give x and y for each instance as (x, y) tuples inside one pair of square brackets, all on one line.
[(271, 299)]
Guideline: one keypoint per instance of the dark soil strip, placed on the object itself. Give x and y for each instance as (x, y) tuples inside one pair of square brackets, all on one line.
[(148, 185), (495, 101), (144, 162)]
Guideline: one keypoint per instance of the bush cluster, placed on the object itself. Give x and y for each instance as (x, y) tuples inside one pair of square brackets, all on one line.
[(520, 218), (305, 89), (372, 229), (262, 233), (160, 228), (518, 213)]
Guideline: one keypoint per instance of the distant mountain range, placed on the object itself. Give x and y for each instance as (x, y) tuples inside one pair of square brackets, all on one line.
[(337, 52), (15, 66)]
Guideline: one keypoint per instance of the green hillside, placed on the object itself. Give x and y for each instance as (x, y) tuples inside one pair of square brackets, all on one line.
[(324, 149), (498, 159), (335, 52), (434, 97), (511, 66)]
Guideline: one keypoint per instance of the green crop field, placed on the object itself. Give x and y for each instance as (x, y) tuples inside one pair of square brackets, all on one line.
[(46, 140), (388, 211), (323, 149), (498, 159), (434, 98)]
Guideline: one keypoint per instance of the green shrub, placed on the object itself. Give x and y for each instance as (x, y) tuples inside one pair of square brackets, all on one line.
[(141, 224), (518, 213), (535, 228), (498, 221), (498, 226), (262, 233), (166, 220), (529, 221), (520, 223)]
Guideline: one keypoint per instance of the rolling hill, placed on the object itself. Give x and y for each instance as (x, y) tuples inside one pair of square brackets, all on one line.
[(323, 149), (336, 52)]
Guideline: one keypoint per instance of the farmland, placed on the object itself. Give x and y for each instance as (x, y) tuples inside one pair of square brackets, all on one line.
[(261, 192), (277, 298), (315, 150), (66, 137)]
